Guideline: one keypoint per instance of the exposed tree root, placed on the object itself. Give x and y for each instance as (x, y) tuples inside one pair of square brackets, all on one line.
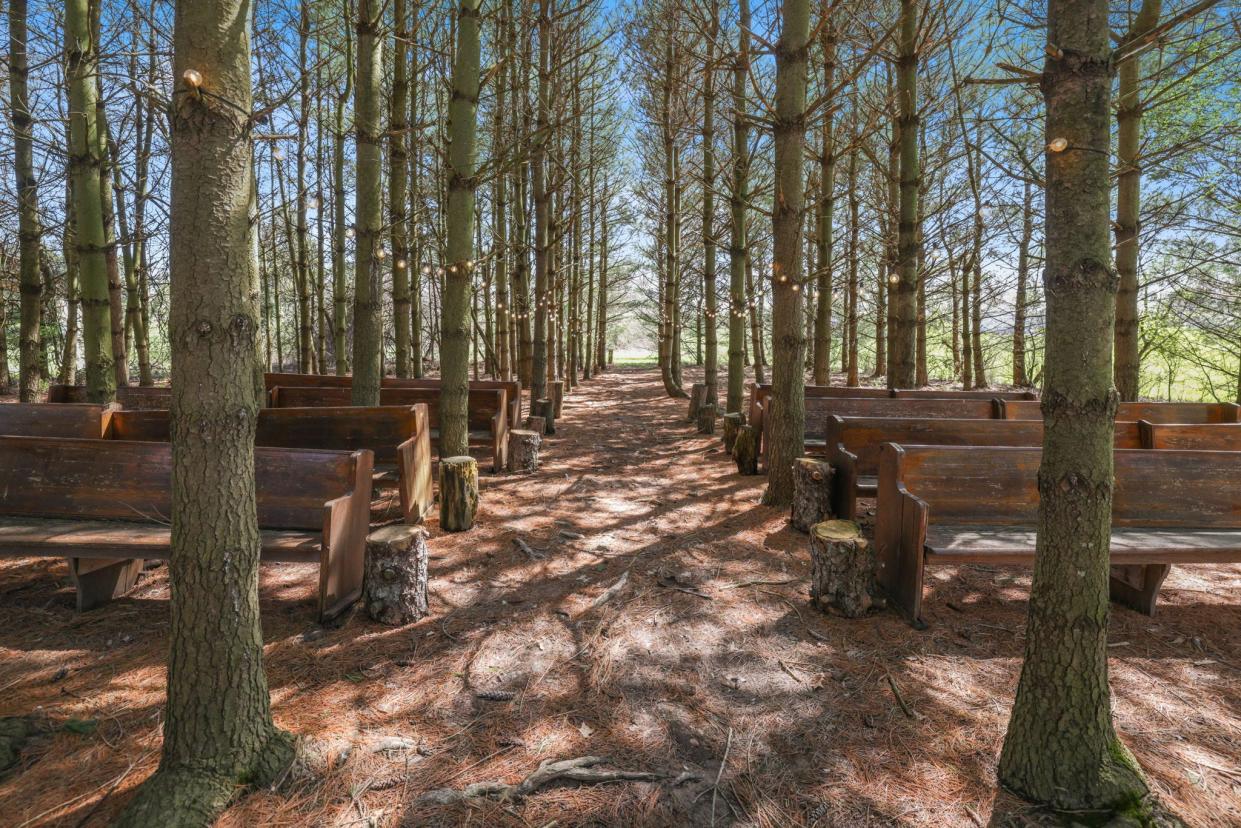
[(574, 770)]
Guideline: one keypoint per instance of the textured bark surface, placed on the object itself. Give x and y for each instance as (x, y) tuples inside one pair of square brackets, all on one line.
[(842, 569), (218, 728), (523, 450), (732, 421), (903, 299), (745, 450), (823, 220), (546, 410), (395, 585), (458, 493), (29, 229), (738, 249), (536, 424), (1061, 749), (812, 481), (398, 178), (368, 209), (707, 415), (788, 414), (697, 395), (455, 320)]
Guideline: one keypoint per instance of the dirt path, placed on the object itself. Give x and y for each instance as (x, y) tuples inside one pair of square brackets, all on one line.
[(708, 649)]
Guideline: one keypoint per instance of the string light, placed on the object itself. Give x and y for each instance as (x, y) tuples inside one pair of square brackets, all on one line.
[(349, 233), (313, 204), (426, 270), (193, 78), (278, 154), (894, 279), (1058, 145), (400, 264)]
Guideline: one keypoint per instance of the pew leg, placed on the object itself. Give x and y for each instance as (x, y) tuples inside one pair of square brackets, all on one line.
[(1137, 585), (99, 580)]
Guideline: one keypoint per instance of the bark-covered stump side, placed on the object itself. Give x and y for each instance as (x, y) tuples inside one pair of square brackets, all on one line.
[(546, 410), (706, 418), (523, 450), (812, 480), (458, 493), (732, 421), (395, 586), (697, 395), (536, 424), (745, 450), (557, 389), (842, 569)]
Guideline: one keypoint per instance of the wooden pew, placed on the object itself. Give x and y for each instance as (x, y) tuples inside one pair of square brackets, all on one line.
[(818, 409), (133, 397), (512, 388), (1204, 437), (853, 446), (82, 420), (488, 414), (399, 437), (952, 505), (104, 505), (1155, 412)]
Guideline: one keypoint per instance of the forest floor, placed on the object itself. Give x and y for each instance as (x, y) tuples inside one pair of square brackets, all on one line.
[(707, 667)]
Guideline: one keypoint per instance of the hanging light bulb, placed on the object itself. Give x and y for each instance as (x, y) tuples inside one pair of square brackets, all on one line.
[(192, 78), (894, 279), (1058, 145), (426, 270), (313, 204), (400, 264), (349, 232)]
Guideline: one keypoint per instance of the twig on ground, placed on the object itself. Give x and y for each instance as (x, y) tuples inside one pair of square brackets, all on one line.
[(667, 583), (611, 592), (715, 786), (791, 674), (574, 770), (759, 583), (900, 699), (525, 547)]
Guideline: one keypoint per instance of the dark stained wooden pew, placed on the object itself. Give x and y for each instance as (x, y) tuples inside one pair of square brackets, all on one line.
[(1204, 437), (818, 409), (488, 414), (82, 420), (1155, 412), (512, 388), (950, 505), (399, 437), (133, 397), (104, 505), (853, 446)]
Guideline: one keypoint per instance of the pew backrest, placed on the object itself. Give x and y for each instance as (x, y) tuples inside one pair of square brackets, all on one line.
[(1203, 437), (512, 388), (81, 420), (1155, 412), (127, 396)]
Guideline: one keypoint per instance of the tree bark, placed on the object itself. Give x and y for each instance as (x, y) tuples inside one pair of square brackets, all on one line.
[(395, 581), (398, 189), (458, 492), (523, 449), (1061, 749), (842, 569), (29, 228), (745, 450), (812, 481), (902, 367), (787, 419), (826, 209), (368, 210), (218, 728), (738, 246)]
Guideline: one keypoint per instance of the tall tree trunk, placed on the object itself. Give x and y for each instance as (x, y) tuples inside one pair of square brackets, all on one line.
[(1128, 367), (340, 232), (601, 319), (787, 425), (455, 319), (823, 225), (368, 210), (756, 324), (499, 209), (29, 228), (305, 355), (738, 250), (1061, 748), (539, 357), (1023, 276), (711, 358), (672, 260), (902, 369), (73, 300), (85, 164), (218, 728), (851, 352), (398, 191)]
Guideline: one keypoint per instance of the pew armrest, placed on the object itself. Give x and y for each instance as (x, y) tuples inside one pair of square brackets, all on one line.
[(346, 520)]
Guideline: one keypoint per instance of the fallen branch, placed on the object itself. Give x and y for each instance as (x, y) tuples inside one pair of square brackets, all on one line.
[(573, 770), (525, 547), (612, 591), (900, 699)]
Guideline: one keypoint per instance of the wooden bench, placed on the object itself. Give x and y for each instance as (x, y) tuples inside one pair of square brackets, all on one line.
[(82, 420), (1155, 412), (512, 388), (133, 397), (818, 409), (759, 393), (953, 505), (488, 414), (105, 504), (399, 437), (853, 446), (1204, 437)]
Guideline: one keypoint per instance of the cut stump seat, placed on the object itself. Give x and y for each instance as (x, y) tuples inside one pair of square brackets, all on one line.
[(105, 504), (971, 504)]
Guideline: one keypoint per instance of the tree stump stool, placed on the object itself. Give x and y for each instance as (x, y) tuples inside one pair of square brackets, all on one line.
[(458, 493), (842, 569), (812, 493), (394, 588), (706, 418), (697, 396), (732, 422), (557, 389), (523, 450), (536, 424), (745, 450), (546, 410)]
